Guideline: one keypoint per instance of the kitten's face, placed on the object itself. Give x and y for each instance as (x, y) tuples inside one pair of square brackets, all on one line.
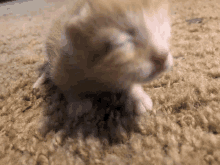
[(139, 51), (123, 49)]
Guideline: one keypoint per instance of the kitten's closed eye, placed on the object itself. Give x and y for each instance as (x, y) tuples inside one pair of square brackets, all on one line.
[(131, 32)]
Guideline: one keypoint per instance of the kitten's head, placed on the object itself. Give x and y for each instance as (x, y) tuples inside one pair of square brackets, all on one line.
[(121, 41)]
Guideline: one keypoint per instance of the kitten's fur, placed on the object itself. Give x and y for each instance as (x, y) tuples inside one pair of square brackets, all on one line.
[(108, 45)]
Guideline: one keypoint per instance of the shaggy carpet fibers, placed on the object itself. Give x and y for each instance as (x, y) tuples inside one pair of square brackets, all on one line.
[(184, 130)]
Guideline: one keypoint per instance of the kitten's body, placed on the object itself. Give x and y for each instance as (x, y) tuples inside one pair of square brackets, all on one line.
[(104, 45)]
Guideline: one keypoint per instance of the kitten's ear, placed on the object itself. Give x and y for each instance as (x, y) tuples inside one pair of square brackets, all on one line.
[(76, 25), (74, 32), (94, 5), (101, 6)]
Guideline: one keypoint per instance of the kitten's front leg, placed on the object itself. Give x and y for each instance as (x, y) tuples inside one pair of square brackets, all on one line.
[(138, 100)]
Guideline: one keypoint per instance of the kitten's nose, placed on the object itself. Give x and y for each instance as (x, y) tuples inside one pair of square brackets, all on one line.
[(162, 61)]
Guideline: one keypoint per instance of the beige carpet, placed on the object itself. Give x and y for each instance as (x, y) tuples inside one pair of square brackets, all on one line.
[(185, 129)]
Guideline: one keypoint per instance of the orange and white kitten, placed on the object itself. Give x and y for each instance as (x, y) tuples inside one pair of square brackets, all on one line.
[(108, 45)]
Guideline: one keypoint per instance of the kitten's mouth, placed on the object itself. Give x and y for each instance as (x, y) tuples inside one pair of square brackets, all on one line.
[(155, 73)]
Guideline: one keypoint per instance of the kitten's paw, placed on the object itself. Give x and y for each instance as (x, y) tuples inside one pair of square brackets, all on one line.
[(139, 102), (39, 81)]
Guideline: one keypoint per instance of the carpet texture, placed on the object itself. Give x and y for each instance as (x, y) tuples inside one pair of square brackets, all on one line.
[(184, 130)]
